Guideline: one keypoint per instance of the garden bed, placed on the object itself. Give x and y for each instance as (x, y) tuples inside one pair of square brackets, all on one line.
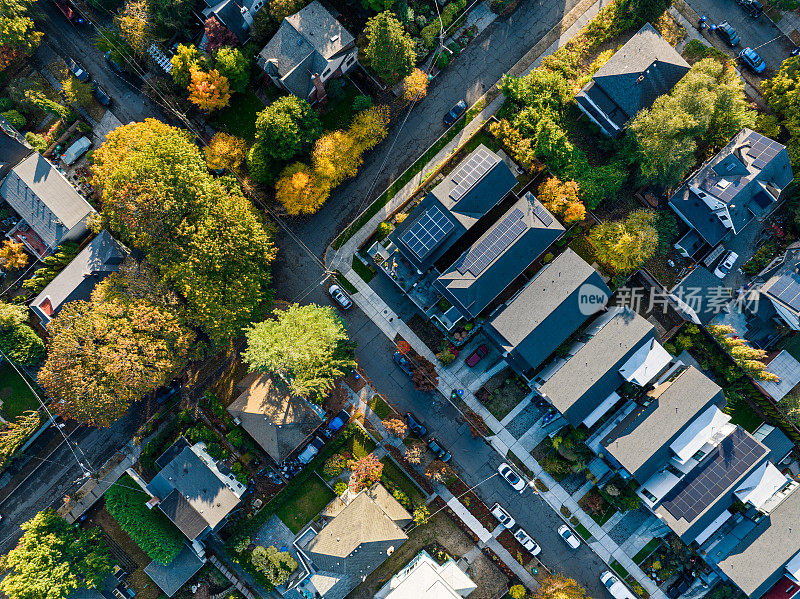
[(432, 337), (514, 547), (378, 405), (502, 393), (400, 480), (594, 504), (302, 507)]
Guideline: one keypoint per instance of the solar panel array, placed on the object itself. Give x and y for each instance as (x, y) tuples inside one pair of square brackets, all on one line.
[(483, 253), (542, 214), (427, 232), (762, 150), (723, 466), (787, 290), (470, 173)]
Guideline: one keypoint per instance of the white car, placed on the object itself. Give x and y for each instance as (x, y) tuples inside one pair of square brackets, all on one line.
[(340, 297), (526, 541), (502, 515), (726, 264), (511, 477), (615, 587), (570, 538)]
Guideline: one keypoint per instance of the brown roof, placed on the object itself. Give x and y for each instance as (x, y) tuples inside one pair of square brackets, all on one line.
[(277, 422)]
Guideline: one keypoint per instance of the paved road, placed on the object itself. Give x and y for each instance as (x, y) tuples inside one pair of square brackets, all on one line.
[(482, 63)]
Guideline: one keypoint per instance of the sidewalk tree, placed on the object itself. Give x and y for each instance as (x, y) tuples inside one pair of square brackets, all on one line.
[(562, 199), (395, 427), (415, 85), (225, 151), (235, 66), (300, 191), (623, 246), (439, 471), (286, 128), (13, 434), (369, 127), (414, 452), (210, 90), (517, 592), (12, 255), (558, 586), (424, 375), (364, 472), (185, 58), (306, 345), (77, 92), (135, 24), (390, 50), (53, 559), (18, 37)]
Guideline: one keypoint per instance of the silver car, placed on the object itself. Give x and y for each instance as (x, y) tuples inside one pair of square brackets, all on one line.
[(340, 297)]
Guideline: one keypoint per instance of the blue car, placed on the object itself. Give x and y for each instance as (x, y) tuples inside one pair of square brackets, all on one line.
[(338, 422), (752, 60), (403, 362), (455, 113)]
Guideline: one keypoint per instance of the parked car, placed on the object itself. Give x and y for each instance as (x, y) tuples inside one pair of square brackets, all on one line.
[(725, 265), (511, 477), (503, 516), (617, 589), (415, 425), (77, 70), (114, 64), (680, 586), (455, 112), (403, 362), (338, 422), (340, 297), (164, 393), (754, 8), (311, 450), (101, 95), (570, 538), (752, 60), (69, 12), (479, 354), (728, 34), (527, 541), (440, 451)]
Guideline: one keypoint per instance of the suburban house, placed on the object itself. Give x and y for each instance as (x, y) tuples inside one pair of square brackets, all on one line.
[(642, 70), (310, 48), (360, 531), (490, 264), (50, 209), (171, 577), (193, 490), (278, 422), (781, 288), (786, 367), (543, 314), (741, 183), (618, 347), (101, 257), (423, 577), (235, 16), (13, 147)]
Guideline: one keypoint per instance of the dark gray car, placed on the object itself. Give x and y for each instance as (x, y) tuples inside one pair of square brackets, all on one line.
[(728, 34)]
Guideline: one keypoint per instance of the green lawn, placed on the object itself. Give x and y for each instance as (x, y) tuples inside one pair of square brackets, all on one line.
[(344, 282), (645, 551), (401, 480), (239, 117), (380, 407), (362, 270), (14, 393), (339, 115), (617, 567), (744, 415), (359, 444), (583, 531), (305, 504)]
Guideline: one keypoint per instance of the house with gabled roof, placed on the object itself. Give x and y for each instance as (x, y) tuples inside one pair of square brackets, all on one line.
[(50, 208), (742, 183), (645, 68), (310, 48)]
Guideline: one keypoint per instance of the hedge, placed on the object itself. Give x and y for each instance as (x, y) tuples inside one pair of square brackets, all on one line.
[(149, 529), (431, 31)]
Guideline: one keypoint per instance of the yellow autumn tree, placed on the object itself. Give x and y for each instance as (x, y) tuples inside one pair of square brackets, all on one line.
[(134, 24), (300, 191), (225, 151), (370, 127), (335, 157), (12, 255), (561, 198), (209, 90), (415, 86)]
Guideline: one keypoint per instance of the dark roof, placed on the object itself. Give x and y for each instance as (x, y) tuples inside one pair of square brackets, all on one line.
[(758, 561), (173, 451), (545, 313), (743, 181), (229, 13), (101, 257), (707, 490), (645, 68), (783, 284), (775, 440), (179, 571), (303, 45), (178, 509), (278, 422), (640, 443), (501, 254), (44, 198), (592, 373), (459, 215), (12, 147)]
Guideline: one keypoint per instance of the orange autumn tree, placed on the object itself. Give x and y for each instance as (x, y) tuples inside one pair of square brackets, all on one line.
[(209, 90), (415, 86), (225, 151), (12, 255), (300, 190), (364, 471), (561, 198)]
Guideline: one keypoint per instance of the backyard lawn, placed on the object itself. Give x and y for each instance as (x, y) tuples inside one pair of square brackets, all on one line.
[(14, 393), (305, 504), (239, 117)]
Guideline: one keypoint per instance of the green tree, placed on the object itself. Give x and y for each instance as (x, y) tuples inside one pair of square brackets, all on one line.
[(377, 5), (53, 559), (276, 566), (234, 65), (625, 245), (307, 345), (77, 92), (185, 58), (18, 37), (389, 50), (288, 127), (14, 434), (18, 341), (280, 9), (170, 16)]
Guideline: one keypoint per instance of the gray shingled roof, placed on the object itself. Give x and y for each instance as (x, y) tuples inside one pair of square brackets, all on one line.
[(758, 561), (44, 198), (172, 577), (541, 317), (471, 293), (641, 441), (642, 70), (102, 256), (592, 374)]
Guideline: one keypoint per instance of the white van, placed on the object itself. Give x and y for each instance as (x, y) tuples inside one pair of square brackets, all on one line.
[(617, 589)]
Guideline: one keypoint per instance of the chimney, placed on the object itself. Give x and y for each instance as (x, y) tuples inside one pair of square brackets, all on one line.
[(154, 501), (248, 18)]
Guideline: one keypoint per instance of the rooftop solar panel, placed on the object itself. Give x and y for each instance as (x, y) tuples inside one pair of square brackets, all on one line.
[(780, 286), (499, 238), (427, 232), (542, 214), (723, 466), (470, 173), (790, 293)]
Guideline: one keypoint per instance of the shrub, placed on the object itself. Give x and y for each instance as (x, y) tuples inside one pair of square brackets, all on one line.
[(15, 118), (241, 545), (236, 438), (517, 592), (446, 356), (241, 472), (6, 104), (361, 102), (548, 257), (340, 487), (37, 142), (383, 230), (276, 566), (442, 60), (22, 344), (334, 465)]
